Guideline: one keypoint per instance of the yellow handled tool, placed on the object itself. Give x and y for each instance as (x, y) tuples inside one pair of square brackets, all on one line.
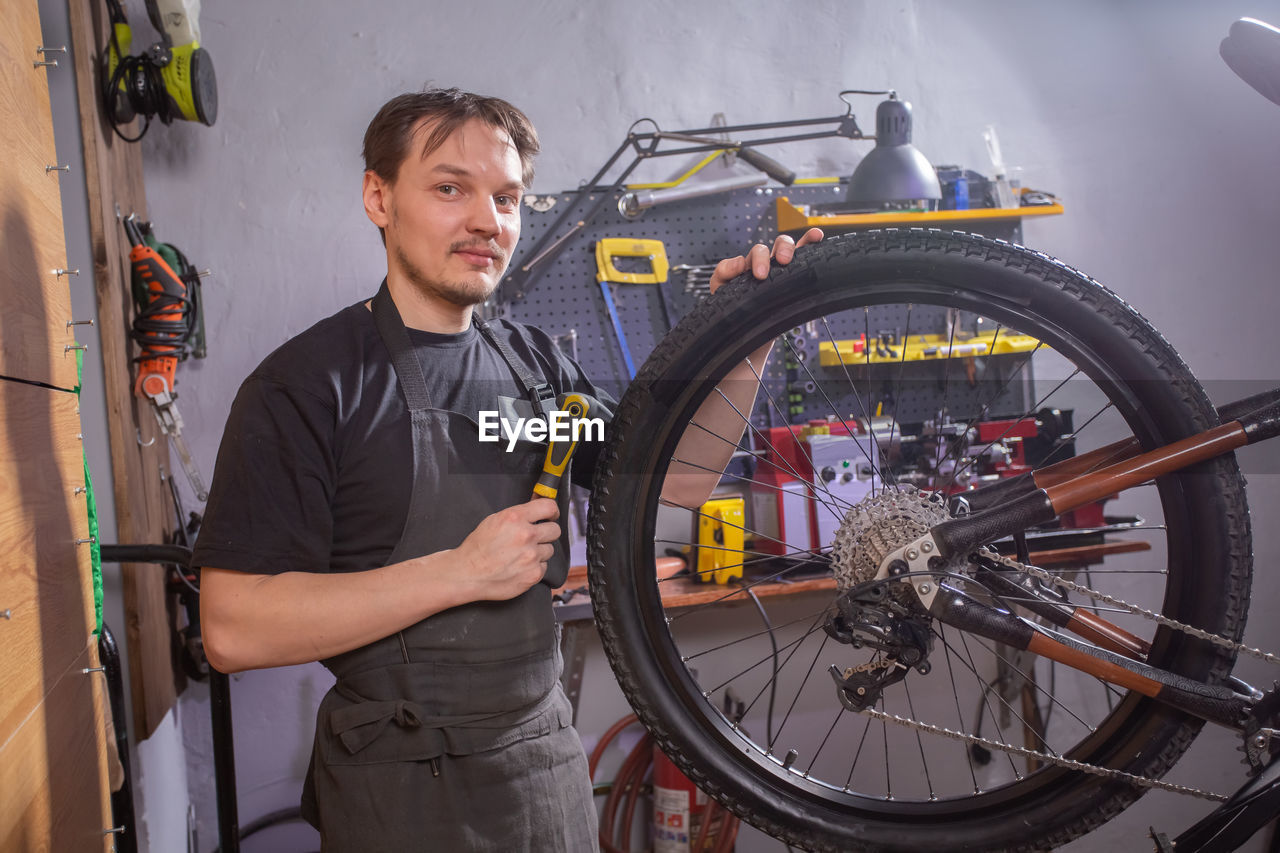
[(560, 452)]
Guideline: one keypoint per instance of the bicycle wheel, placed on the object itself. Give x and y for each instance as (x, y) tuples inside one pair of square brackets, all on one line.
[(957, 360)]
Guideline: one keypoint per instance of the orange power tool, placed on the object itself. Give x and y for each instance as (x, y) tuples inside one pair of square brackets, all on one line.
[(162, 329)]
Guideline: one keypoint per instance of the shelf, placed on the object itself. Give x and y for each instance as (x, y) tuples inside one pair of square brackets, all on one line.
[(792, 218), (922, 348), (682, 591)]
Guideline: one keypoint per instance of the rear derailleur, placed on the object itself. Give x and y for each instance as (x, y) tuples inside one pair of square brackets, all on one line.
[(871, 616)]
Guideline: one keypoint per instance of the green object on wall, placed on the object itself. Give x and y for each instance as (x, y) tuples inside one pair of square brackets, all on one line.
[(95, 549)]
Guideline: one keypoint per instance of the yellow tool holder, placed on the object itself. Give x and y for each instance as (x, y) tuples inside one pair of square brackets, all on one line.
[(923, 348), (627, 247), (721, 540)]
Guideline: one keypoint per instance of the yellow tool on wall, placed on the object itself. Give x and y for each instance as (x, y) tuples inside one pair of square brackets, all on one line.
[(606, 273), (720, 540)]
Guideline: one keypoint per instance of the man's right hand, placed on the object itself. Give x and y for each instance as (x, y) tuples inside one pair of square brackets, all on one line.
[(507, 553)]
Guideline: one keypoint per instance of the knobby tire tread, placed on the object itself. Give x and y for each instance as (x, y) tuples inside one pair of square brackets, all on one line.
[(1093, 800)]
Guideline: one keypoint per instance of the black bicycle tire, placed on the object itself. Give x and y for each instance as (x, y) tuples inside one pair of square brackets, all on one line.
[(1147, 739)]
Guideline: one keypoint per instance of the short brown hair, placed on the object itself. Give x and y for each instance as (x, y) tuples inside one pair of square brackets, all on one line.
[(387, 139)]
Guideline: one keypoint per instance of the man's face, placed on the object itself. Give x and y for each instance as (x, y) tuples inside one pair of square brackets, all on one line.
[(452, 219)]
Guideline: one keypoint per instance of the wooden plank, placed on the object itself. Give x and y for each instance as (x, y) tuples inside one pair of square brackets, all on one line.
[(53, 770), (33, 326), (113, 175), (45, 578)]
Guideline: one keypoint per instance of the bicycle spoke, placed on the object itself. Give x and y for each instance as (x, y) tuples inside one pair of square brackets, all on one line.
[(920, 743), (834, 411), (960, 725), (755, 430), (788, 469), (853, 389), (796, 697), (956, 476), (820, 614)]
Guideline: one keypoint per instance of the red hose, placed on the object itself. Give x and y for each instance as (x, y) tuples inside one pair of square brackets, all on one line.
[(606, 739), (627, 784), (629, 777)]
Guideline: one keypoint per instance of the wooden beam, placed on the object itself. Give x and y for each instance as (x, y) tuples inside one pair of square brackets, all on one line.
[(139, 452), (53, 770), (45, 586)]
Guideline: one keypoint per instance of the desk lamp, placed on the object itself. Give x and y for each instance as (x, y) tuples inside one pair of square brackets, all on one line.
[(894, 174)]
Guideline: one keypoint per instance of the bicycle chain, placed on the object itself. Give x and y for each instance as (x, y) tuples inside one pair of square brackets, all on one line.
[(1071, 764), (1068, 763), (1134, 609)]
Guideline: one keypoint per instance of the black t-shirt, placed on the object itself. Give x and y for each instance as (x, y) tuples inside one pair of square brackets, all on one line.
[(315, 468)]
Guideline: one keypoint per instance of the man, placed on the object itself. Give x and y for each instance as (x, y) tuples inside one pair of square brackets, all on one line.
[(356, 519)]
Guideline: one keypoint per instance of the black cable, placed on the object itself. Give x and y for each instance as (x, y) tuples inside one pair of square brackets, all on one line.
[(151, 330), (141, 79), (773, 684)]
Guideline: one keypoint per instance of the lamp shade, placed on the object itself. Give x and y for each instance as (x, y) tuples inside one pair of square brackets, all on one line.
[(894, 173)]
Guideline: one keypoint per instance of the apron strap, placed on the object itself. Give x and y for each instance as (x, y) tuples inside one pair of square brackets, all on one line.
[(408, 370), (540, 394)]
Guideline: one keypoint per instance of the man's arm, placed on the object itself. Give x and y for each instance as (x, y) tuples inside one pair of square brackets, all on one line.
[(252, 621), (720, 418)]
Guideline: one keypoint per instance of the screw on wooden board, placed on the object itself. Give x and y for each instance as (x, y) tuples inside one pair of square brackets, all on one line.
[(48, 169), (80, 490), (89, 541), (69, 348), (61, 272), (91, 669), (6, 614), (71, 323)]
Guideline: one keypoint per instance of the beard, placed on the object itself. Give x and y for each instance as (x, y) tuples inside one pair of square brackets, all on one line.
[(463, 293)]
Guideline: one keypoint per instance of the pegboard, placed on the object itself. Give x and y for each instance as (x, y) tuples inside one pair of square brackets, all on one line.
[(560, 295)]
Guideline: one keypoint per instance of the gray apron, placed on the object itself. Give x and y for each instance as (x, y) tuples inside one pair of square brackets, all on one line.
[(454, 734)]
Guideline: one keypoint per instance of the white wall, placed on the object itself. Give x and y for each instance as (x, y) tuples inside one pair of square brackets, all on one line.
[(1165, 161)]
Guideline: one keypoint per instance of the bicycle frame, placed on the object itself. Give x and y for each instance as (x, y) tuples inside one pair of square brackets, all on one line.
[(1013, 505)]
